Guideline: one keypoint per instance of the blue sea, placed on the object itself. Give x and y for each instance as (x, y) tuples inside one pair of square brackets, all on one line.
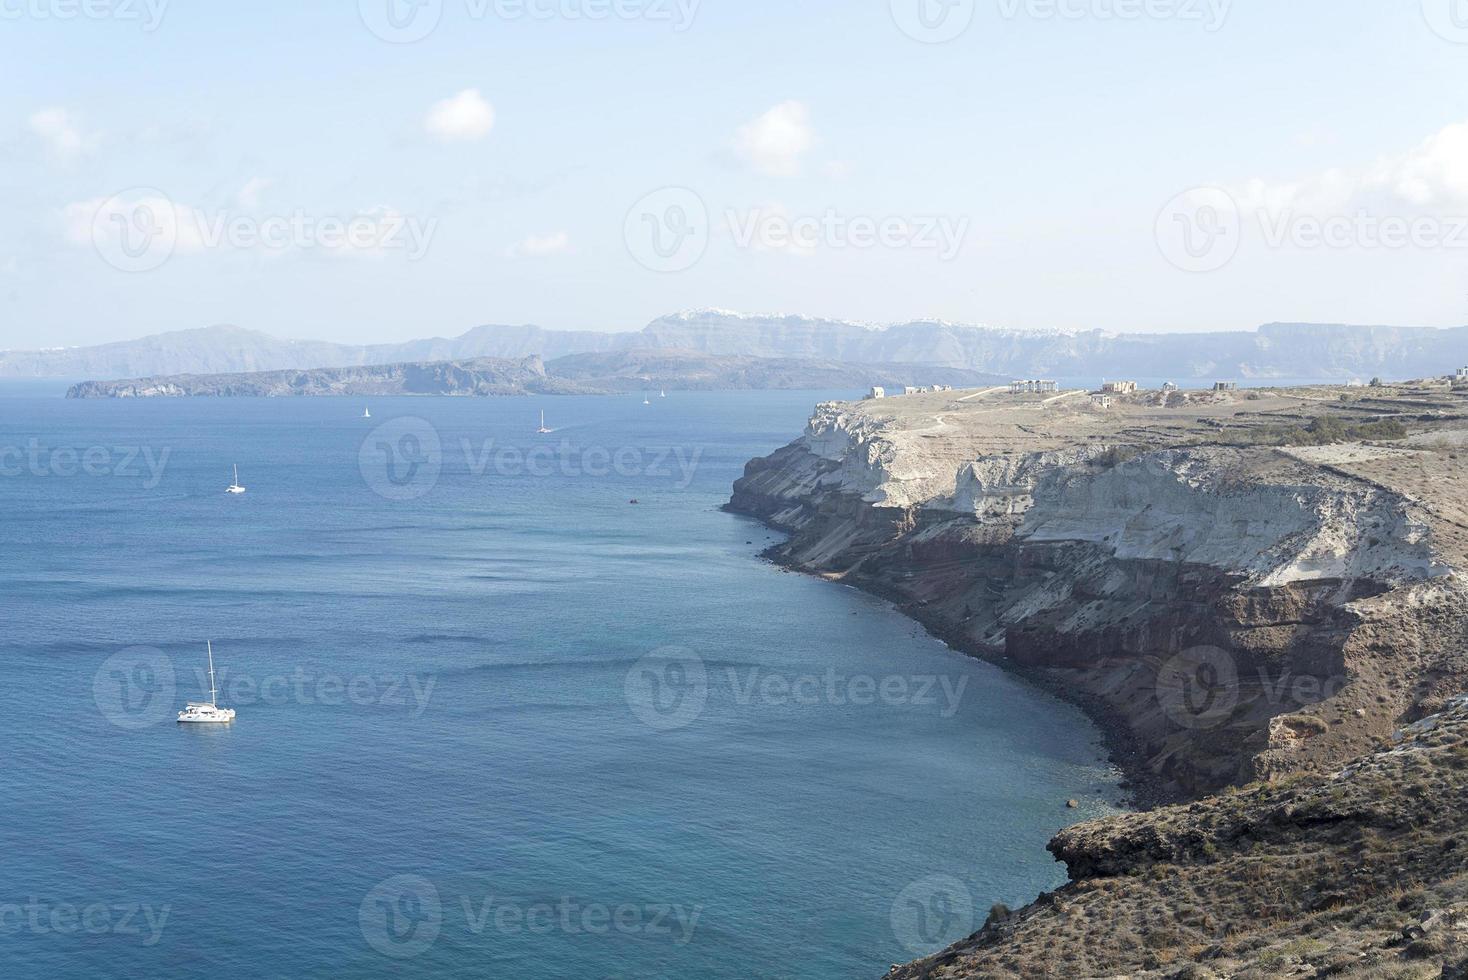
[(494, 719)]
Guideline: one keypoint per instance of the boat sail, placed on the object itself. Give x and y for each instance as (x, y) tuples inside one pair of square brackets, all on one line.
[(207, 712)]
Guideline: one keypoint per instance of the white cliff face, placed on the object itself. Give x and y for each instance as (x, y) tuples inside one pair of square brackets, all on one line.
[(1215, 506), (1194, 506)]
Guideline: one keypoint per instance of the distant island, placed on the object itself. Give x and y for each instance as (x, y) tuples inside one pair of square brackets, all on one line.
[(577, 374), (1274, 351)]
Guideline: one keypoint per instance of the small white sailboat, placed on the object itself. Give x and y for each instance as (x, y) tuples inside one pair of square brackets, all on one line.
[(645, 401), (235, 486), (543, 430), (366, 413), (207, 712), (662, 394)]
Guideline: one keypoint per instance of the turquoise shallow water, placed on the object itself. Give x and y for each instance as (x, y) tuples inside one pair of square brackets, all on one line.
[(454, 756)]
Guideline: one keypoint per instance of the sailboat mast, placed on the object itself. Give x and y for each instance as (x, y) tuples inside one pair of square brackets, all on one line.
[(213, 699)]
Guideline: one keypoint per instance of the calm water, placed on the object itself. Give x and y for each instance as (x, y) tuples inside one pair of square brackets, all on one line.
[(455, 756)]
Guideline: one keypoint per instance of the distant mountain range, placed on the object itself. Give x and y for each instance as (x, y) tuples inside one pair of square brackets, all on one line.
[(576, 374), (1276, 350)]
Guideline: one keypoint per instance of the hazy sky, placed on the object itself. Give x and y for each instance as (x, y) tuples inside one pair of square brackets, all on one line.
[(390, 169)]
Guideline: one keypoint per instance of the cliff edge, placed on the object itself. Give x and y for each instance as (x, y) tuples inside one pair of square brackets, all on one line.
[(1242, 587)]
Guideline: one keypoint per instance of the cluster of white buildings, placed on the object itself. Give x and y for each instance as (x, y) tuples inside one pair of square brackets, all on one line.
[(1034, 387), (877, 392), (1119, 387)]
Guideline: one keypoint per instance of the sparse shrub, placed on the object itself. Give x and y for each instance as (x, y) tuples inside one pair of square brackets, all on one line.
[(1115, 456)]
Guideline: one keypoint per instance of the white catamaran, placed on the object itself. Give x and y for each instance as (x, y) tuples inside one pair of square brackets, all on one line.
[(206, 712), (366, 413), (235, 486), (543, 430)]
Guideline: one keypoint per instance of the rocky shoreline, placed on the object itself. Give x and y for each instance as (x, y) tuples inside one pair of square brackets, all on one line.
[(1241, 589)]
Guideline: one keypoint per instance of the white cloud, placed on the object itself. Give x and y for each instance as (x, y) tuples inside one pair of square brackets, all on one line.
[(836, 170), (62, 133), (540, 245), (466, 116), (1431, 176), (1434, 172), (774, 143)]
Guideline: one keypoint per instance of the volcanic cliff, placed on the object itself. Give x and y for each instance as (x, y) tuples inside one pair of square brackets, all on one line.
[(1244, 588)]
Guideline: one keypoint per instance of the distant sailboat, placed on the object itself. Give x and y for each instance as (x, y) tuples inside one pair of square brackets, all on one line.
[(235, 486), (662, 394), (543, 430), (202, 712), (645, 401), (366, 413)]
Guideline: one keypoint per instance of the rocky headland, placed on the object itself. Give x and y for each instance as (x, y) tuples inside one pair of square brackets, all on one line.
[(1253, 592), (617, 372)]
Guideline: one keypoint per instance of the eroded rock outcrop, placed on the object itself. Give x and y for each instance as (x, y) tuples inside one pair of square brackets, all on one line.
[(1358, 873)]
